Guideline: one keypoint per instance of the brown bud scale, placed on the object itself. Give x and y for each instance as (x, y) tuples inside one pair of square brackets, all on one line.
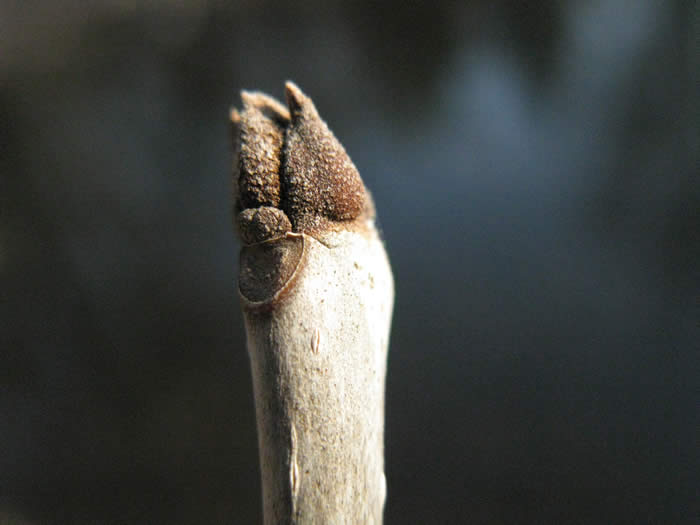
[(262, 224), (292, 162)]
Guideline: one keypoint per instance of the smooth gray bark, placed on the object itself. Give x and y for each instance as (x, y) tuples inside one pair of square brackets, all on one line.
[(318, 356)]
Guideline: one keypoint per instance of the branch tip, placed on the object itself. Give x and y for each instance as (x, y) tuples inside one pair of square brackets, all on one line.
[(294, 96), (267, 105), (290, 160)]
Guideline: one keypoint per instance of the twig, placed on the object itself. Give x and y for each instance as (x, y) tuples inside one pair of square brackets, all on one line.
[(317, 295)]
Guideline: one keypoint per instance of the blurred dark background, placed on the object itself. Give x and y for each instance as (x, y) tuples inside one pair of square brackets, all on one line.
[(535, 167)]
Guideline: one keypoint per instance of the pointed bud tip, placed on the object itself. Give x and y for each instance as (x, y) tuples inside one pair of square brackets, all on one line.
[(296, 99), (267, 105)]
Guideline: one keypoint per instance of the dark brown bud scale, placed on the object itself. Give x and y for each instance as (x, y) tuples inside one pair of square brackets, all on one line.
[(291, 161), (261, 139), (291, 176), (321, 180), (261, 224)]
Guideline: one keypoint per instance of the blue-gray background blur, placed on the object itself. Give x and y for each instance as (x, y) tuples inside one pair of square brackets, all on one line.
[(534, 167)]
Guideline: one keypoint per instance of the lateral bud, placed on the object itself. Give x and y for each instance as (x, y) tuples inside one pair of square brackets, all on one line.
[(262, 224)]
